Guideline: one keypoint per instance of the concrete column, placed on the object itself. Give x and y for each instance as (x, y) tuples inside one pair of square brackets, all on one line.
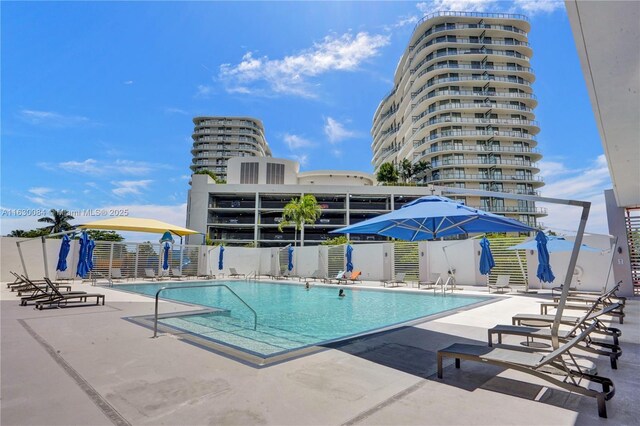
[(617, 228)]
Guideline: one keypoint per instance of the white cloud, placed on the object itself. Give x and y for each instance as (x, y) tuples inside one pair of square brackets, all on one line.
[(303, 159), (176, 111), (290, 74), (296, 142), (336, 132), (204, 91), (527, 7), (128, 82), (40, 191), (50, 118), (587, 184), (125, 187), (94, 167)]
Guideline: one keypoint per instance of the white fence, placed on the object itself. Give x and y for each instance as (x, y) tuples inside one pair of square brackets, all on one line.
[(376, 261)]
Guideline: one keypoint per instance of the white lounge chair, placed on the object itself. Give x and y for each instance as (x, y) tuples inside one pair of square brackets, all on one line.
[(116, 274), (234, 273), (399, 279), (502, 282)]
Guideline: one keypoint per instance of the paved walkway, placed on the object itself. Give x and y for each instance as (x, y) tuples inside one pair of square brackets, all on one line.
[(87, 365)]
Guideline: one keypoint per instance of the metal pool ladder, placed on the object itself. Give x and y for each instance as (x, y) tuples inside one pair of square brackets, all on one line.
[(155, 320)]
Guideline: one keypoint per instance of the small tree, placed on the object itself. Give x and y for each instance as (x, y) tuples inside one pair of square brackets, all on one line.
[(212, 175), (298, 212), (406, 170), (342, 239), (59, 221), (387, 174), (104, 235), (419, 169)]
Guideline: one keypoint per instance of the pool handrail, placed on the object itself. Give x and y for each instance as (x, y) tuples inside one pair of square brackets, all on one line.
[(155, 320)]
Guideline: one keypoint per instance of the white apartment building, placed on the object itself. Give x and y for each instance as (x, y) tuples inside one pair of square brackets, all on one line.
[(463, 103), (217, 139), (248, 208)]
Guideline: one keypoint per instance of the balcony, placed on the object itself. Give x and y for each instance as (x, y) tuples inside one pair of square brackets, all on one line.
[(483, 162), (476, 121), (481, 80), (452, 27), (512, 209), (484, 42), (473, 133), (517, 68), (482, 177), (484, 95), (472, 106), (462, 52)]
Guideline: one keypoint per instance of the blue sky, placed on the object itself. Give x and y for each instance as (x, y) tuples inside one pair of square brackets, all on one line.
[(98, 97)]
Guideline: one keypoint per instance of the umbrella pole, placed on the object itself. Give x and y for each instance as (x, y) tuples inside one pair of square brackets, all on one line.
[(526, 279), (572, 266), (449, 270), (44, 257), (24, 267)]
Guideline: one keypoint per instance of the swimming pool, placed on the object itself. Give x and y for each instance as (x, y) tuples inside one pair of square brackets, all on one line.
[(289, 317)]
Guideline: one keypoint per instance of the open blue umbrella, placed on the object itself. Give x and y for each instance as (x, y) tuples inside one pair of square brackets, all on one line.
[(290, 265), (83, 266), (544, 268), (349, 258), (221, 258), (433, 217), (486, 258), (65, 247), (165, 256)]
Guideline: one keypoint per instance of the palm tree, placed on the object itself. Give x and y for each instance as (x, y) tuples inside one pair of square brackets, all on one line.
[(59, 221), (300, 211)]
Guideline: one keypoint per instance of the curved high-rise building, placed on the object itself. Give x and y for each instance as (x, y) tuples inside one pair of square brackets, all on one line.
[(216, 139), (463, 103)]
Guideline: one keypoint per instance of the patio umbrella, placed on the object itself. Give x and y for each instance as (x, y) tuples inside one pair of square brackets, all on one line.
[(83, 267), (90, 247), (554, 244), (165, 256), (433, 217), (544, 272), (349, 258), (221, 258), (65, 247), (486, 258), (290, 265)]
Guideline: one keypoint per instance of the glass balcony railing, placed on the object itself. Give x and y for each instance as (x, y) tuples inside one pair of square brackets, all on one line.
[(460, 106), (477, 121), (482, 94), (479, 80), (481, 177)]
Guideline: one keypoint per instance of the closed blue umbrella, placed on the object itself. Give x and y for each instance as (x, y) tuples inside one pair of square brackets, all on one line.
[(290, 265), (65, 247), (433, 217), (165, 256), (221, 258), (90, 248), (486, 258), (83, 266), (349, 258), (544, 268)]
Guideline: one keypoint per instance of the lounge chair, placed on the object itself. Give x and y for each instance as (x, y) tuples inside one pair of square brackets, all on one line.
[(572, 321), (234, 273), (617, 312), (348, 276), (399, 279), (502, 282), (61, 300), (41, 294), (337, 278), (316, 276), (355, 276), (434, 279), (149, 274), (116, 274), (24, 285), (612, 350), (176, 274), (538, 365)]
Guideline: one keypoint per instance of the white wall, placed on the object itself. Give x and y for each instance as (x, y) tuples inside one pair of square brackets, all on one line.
[(368, 258), (306, 260), (34, 259), (595, 266), (463, 257)]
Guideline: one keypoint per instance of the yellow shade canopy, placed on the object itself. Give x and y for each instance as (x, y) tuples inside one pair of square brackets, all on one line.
[(137, 224)]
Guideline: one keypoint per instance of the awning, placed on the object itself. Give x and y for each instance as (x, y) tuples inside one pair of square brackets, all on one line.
[(138, 225)]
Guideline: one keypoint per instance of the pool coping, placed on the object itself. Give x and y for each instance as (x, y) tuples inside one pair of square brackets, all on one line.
[(258, 360)]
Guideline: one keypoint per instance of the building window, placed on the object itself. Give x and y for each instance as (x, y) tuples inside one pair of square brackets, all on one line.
[(275, 174), (249, 173)]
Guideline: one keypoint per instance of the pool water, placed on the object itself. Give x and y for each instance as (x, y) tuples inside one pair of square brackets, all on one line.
[(291, 317)]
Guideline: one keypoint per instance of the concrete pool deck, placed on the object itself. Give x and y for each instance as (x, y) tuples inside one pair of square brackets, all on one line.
[(87, 365)]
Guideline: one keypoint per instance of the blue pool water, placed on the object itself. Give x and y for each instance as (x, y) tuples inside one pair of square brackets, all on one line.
[(290, 317)]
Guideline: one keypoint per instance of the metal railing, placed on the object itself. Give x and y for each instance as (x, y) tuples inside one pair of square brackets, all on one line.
[(155, 319)]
